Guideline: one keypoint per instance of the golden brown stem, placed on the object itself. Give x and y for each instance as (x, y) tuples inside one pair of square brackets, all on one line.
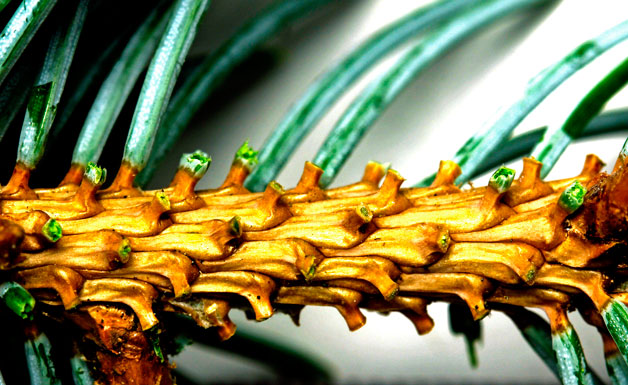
[(373, 174), (470, 288), (289, 259), (137, 295), (529, 185), (83, 205), (254, 287), (74, 175), (379, 272), (344, 300), (183, 197), (64, 281), (342, 230), (11, 238), (448, 171), (589, 282), (258, 214), (142, 220), (32, 223), (205, 241), (592, 167), (122, 186), (207, 313), (236, 176), (17, 188), (307, 190), (386, 201), (510, 263), (417, 246)]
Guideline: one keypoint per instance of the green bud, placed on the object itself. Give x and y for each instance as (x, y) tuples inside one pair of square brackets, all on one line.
[(530, 275), (153, 337), (246, 156), (502, 179), (573, 197), (18, 299), (95, 174), (234, 224), (277, 187), (392, 295), (309, 274), (52, 230), (443, 241), (124, 250), (365, 213), (163, 199), (195, 163)]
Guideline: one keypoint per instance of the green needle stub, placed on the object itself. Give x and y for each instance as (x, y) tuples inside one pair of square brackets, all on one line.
[(234, 224), (124, 250), (443, 241), (531, 274), (573, 197), (365, 213), (246, 156), (502, 179), (163, 199), (196, 163), (277, 187), (52, 230), (18, 299), (309, 274), (153, 337), (95, 175)]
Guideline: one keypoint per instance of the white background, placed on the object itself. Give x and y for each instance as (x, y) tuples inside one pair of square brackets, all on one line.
[(430, 120)]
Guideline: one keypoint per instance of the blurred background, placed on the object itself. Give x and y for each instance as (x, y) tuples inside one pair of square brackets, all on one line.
[(429, 122)]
